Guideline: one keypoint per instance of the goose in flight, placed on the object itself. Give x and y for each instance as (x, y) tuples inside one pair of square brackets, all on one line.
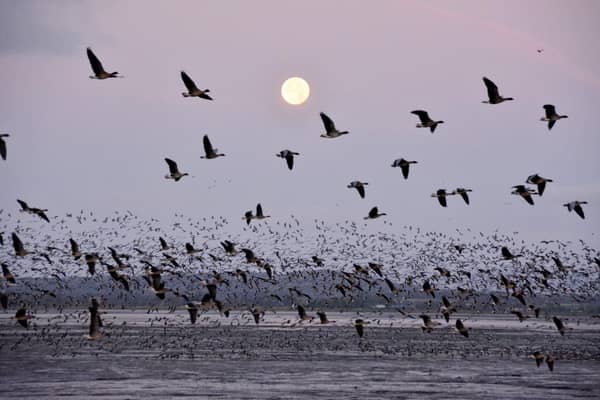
[(10, 278), (288, 155), (209, 151), (229, 247), (193, 90), (98, 69), (461, 328), (374, 213), (576, 206), (174, 171), (441, 195), (524, 192), (492, 92), (32, 210), (359, 186), (426, 122), (330, 129), (18, 246), (507, 255), (248, 216), (3, 145), (21, 317), (535, 179), (551, 115), (464, 193), (75, 249), (323, 318), (428, 324), (404, 166)]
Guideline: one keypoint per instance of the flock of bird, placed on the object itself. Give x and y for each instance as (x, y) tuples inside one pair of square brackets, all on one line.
[(522, 283)]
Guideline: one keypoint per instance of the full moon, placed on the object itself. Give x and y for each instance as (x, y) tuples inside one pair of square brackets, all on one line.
[(295, 90)]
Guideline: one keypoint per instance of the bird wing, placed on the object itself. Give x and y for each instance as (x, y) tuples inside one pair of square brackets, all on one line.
[(24, 205), (442, 200), (42, 215), (329, 125), (208, 149), (95, 62), (579, 210), (2, 149), (361, 190), (289, 158), (492, 89), (259, 210), (405, 169), (423, 116), (188, 82), (373, 212), (172, 166), (74, 246), (551, 124), (550, 110), (541, 186), (17, 244)]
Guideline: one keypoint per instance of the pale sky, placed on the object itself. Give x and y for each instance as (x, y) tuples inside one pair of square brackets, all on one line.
[(78, 143)]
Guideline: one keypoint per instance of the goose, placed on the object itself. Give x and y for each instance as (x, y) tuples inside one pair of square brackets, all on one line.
[(21, 317), (163, 244), (551, 115), (359, 186), (209, 151), (259, 213), (75, 249), (376, 268), (524, 192), (303, 315), (99, 72), (428, 289), (10, 278), (559, 325), (229, 248), (441, 195), (507, 255), (576, 206), (330, 129), (174, 171), (538, 356), (3, 145), (91, 260), (535, 179), (447, 309), (374, 213), (34, 211), (426, 122), (193, 90), (323, 318), (257, 314), (464, 193), (289, 157), (18, 246), (492, 92), (404, 166), (428, 324), (461, 328)]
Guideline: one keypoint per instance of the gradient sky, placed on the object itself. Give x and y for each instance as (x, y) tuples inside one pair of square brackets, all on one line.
[(78, 143)]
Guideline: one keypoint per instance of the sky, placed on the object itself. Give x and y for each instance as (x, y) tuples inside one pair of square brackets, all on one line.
[(78, 143)]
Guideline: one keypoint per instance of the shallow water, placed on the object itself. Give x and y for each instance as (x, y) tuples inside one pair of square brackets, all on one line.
[(161, 355)]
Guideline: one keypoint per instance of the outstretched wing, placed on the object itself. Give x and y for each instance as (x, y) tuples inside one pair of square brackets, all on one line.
[(550, 110), (188, 82), (361, 191), (24, 205), (2, 149), (208, 149), (95, 62), (259, 210), (423, 116), (172, 166), (492, 89), (329, 125), (289, 158)]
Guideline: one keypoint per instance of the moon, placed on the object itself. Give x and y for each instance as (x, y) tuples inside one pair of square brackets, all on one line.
[(295, 90)]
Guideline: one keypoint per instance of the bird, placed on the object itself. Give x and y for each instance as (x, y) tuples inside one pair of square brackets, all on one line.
[(551, 115), (374, 213), (492, 92), (576, 206), (535, 179), (75, 249), (21, 317), (209, 151), (330, 129), (359, 186), (426, 122), (538, 356), (323, 318), (3, 145), (229, 248), (193, 90), (18, 246), (259, 212), (174, 171), (91, 260), (99, 72), (461, 328), (559, 325), (404, 166), (427, 288), (507, 255), (34, 211), (303, 315), (441, 195), (10, 278), (288, 155), (464, 193), (428, 324), (524, 192)]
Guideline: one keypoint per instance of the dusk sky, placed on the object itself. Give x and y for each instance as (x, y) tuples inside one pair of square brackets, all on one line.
[(99, 145)]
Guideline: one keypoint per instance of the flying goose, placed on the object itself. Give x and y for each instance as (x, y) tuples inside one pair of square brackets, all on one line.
[(426, 122), (359, 186), (507, 255), (323, 318), (75, 249), (91, 260), (193, 90), (524, 192), (259, 213), (428, 324), (18, 246), (464, 193), (3, 145), (441, 195), (34, 211), (289, 157), (551, 115), (492, 91), (21, 317), (461, 328), (535, 179), (99, 72), (10, 278), (303, 315), (374, 213), (428, 289), (174, 171), (209, 151), (163, 244), (576, 206), (229, 247), (330, 130), (404, 166)]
